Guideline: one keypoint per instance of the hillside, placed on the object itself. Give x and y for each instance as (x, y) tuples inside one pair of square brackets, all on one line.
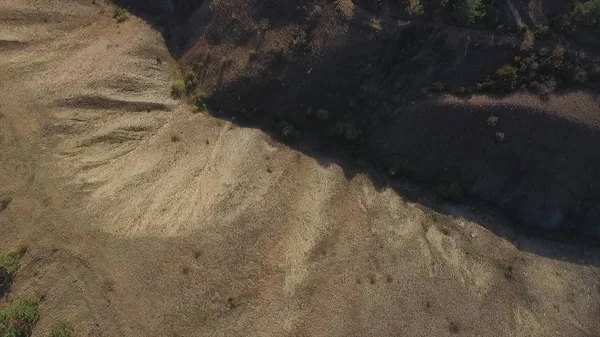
[(415, 94), (131, 213)]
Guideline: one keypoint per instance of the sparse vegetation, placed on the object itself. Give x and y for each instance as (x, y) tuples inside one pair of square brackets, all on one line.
[(18, 318), (500, 136), (120, 14), (178, 89), (587, 13), (466, 12), (62, 328), (9, 263)]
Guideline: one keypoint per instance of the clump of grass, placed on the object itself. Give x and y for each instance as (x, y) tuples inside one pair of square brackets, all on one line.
[(9, 263), (62, 328), (18, 319), (500, 136), (178, 89), (120, 14)]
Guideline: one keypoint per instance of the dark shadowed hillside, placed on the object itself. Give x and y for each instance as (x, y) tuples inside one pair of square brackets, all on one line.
[(416, 92)]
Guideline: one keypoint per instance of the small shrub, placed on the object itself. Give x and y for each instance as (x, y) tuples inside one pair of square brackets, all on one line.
[(9, 263), (415, 7), (191, 81), (200, 101), (521, 27), (178, 89), (454, 328), (587, 13), (545, 87), (573, 73), (500, 136), (492, 120), (120, 15), (18, 319), (286, 129), (540, 30), (322, 114), (263, 24), (467, 12), (62, 328), (505, 78), (345, 130)]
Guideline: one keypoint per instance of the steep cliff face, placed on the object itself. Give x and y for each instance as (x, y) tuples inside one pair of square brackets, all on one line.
[(378, 75)]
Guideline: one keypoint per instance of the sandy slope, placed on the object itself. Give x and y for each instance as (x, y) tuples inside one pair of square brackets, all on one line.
[(144, 219)]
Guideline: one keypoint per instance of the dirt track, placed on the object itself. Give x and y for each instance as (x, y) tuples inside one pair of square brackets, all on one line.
[(144, 219)]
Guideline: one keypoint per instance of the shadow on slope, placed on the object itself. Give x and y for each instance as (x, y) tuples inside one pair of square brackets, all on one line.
[(533, 165)]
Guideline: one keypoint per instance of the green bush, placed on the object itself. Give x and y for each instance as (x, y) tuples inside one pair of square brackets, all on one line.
[(177, 89), (505, 78), (9, 263), (467, 12), (18, 319), (200, 101), (120, 15), (62, 328), (588, 13), (541, 30)]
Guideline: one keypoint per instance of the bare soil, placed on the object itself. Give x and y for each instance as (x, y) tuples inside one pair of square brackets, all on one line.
[(142, 218)]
